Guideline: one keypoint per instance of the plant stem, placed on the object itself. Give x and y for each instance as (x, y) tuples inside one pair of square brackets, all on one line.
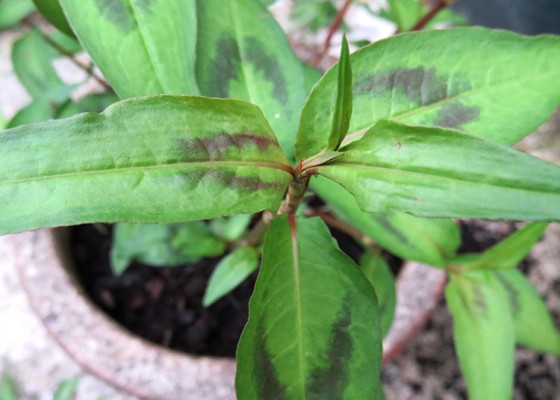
[(431, 15), (88, 69), (344, 227), (332, 29), (256, 234)]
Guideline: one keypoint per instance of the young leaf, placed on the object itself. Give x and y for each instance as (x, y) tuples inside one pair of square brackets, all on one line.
[(313, 330), (66, 390), (163, 159), (242, 53), (52, 11), (511, 251), (431, 241), (343, 107), (379, 274), (142, 47), (231, 228), (162, 244), (7, 389), (484, 334), (473, 79), (433, 172), (534, 327), (229, 273)]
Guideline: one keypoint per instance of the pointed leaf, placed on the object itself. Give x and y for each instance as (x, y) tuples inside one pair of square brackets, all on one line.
[(379, 274), (231, 228), (229, 273), (429, 241), (343, 107), (142, 47), (52, 11), (242, 53), (163, 159), (434, 172), (313, 330), (484, 334), (473, 79), (162, 245), (534, 327), (511, 251)]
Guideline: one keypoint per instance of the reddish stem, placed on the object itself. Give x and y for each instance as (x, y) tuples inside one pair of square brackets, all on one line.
[(430, 15), (332, 29)]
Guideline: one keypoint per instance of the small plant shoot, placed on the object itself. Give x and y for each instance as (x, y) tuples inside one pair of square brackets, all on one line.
[(217, 141)]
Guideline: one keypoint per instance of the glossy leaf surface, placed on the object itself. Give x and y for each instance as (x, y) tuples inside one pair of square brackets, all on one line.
[(142, 47), (534, 327), (434, 172), (430, 241), (52, 11), (162, 244), (230, 272), (306, 340), (472, 79), (242, 53), (379, 274), (484, 334), (162, 159)]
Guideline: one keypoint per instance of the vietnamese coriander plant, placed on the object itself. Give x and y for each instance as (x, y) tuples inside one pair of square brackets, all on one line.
[(218, 119)]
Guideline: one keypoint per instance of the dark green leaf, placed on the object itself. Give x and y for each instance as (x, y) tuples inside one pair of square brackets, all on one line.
[(40, 109), (343, 107), (313, 330), (53, 13), (13, 11), (472, 79), (231, 228), (242, 53), (434, 172), (430, 241), (142, 47), (229, 273), (379, 274), (162, 245), (95, 102), (7, 389), (66, 390), (534, 327), (163, 159), (511, 251), (484, 334)]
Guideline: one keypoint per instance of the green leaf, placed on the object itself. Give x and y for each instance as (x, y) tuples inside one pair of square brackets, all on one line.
[(7, 388), (429, 241), (13, 11), (484, 334), (433, 172), (163, 159), (406, 13), (242, 53), (229, 273), (40, 109), (232, 228), (142, 47), (313, 332), (534, 327), (511, 251), (32, 58), (52, 11), (95, 102), (66, 390), (343, 107), (162, 245), (473, 79), (379, 274)]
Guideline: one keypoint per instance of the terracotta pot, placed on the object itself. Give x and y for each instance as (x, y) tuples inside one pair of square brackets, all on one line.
[(149, 371)]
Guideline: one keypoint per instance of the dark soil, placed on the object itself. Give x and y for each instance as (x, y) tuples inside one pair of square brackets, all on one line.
[(164, 305)]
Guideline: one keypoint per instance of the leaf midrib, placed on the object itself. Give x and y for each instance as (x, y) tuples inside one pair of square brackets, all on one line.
[(116, 171), (403, 171)]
